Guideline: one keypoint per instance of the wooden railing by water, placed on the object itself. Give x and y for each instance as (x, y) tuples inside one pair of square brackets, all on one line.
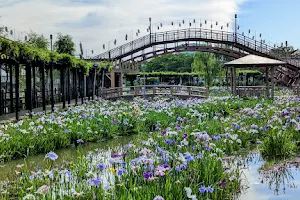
[(253, 91), (152, 90)]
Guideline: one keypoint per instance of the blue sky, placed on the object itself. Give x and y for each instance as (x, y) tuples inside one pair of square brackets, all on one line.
[(98, 22), (277, 20)]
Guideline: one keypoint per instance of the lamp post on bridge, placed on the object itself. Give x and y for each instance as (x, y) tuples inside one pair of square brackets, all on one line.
[(235, 18)]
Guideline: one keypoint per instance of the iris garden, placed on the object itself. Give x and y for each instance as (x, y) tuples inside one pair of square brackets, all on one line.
[(180, 149)]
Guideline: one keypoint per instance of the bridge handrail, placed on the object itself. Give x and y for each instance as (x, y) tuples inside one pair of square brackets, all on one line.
[(191, 33), (176, 90)]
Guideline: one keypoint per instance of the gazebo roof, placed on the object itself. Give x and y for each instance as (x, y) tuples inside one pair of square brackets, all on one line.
[(254, 61)]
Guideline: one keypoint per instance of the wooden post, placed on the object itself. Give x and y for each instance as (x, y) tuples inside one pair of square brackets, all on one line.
[(28, 97), (84, 86), (75, 86), (267, 82), (272, 82), (94, 83), (11, 95), (52, 86), (121, 83), (62, 85), (69, 92), (207, 92), (34, 102), (43, 86), (17, 90), (233, 80), (112, 79)]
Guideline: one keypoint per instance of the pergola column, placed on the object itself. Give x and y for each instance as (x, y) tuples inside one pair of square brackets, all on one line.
[(267, 82), (233, 78)]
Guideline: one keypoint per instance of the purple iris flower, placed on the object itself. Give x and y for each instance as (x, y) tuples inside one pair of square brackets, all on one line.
[(254, 126), (158, 198), (222, 183), (116, 155), (236, 126), (95, 181), (80, 141), (113, 121), (68, 173), (188, 157), (148, 175), (184, 135), (101, 166), (163, 132), (216, 137), (210, 189), (51, 155), (202, 189), (121, 171), (169, 142)]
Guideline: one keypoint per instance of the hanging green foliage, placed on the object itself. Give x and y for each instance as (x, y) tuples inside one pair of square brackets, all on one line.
[(26, 53)]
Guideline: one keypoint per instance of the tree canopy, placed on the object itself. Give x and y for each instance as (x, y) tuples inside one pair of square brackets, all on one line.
[(207, 64), (64, 44), (170, 63), (37, 41)]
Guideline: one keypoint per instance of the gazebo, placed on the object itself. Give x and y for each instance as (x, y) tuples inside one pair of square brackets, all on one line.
[(254, 61)]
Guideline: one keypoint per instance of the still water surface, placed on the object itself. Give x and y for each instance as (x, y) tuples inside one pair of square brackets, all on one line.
[(257, 184)]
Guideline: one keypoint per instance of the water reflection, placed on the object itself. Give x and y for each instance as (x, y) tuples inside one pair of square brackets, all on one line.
[(269, 179), (95, 152)]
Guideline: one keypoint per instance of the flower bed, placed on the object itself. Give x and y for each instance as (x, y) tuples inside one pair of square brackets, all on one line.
[(179, 153)]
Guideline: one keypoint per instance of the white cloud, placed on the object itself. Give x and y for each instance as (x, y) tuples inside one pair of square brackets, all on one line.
[(95, 22)]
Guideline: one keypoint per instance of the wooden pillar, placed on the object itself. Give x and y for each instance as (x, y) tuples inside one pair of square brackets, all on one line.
[(267, 82), (233, 81), (52, 86), (69, 85), (272, 82), (94, 83), (34, 102), (75, 86), (17, 90), (121, 83), (43, 86), (84, 85), (112, 79), (28, 99), (62, 84), (11, 94)]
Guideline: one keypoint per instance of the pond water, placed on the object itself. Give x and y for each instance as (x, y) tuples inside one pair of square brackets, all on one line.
[(276, 184), (95, 151)]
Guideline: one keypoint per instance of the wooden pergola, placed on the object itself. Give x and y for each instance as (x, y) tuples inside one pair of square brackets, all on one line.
[(254, 61)]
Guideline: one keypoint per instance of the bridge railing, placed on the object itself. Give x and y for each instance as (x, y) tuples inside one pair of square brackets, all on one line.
[(150, 90), (191, 34)]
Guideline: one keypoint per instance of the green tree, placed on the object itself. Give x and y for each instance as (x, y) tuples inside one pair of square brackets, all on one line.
[(207, 64), (37, 41), (64, 44), (171, 62)]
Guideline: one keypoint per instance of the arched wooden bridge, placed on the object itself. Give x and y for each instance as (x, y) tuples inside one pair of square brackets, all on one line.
[(154, 90), (225, 43)]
